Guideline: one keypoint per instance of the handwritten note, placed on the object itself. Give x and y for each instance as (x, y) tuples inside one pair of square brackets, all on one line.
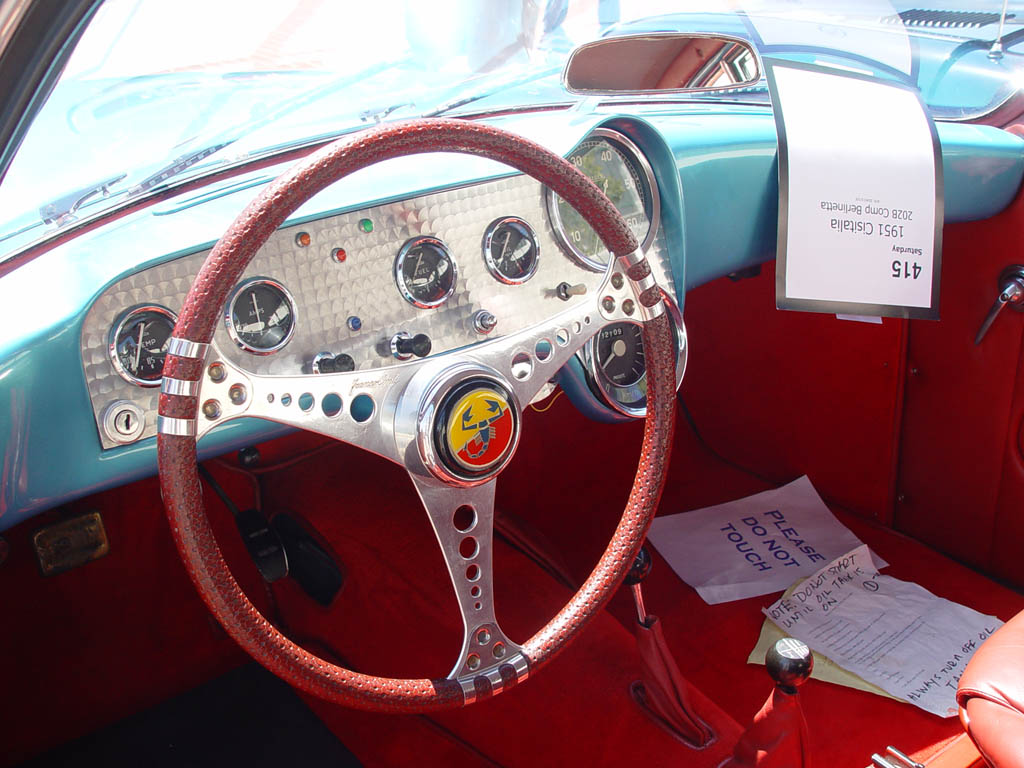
[(892, 633), (753, 546)]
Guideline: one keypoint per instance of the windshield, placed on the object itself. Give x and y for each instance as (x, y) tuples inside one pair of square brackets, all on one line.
[(156, 92)]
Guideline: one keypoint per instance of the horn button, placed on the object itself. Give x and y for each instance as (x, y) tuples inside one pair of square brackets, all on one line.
[(476, 429)]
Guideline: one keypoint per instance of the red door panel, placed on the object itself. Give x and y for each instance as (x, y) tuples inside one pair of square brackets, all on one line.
[(961, 481)]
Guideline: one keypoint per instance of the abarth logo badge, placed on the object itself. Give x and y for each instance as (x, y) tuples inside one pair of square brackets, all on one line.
[(480, 429)]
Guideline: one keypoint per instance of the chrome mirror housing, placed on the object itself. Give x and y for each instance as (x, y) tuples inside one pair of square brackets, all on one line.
[(661, 63)]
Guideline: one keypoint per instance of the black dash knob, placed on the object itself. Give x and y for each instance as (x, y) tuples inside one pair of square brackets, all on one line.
[(344, 363), (640, 568), (404, 346), (789, 662)]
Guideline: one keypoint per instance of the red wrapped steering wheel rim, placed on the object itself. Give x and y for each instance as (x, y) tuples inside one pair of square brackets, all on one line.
[(179, 481)]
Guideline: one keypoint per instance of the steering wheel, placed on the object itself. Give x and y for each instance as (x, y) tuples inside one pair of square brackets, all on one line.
[(420, 415)]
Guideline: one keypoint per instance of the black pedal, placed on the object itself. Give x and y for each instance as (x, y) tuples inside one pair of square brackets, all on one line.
[(264, 545), (312, 566)]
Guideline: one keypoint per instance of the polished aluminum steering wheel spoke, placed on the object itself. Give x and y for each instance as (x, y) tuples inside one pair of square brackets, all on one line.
[(380, 409), (530, 358), (463, 519), (355, 407)]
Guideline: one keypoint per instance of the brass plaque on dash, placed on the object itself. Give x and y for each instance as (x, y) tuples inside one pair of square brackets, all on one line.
[(70, 543)]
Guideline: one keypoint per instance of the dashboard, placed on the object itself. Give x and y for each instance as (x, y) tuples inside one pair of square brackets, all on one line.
[(371, 287), (81, 304)]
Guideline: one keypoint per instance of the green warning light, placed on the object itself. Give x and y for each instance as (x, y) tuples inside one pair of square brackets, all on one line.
[(366, 225)]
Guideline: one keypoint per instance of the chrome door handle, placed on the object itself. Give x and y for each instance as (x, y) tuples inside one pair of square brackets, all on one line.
[(1011, 292)]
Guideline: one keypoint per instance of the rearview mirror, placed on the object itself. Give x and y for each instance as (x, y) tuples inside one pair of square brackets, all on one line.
[(661, 62)]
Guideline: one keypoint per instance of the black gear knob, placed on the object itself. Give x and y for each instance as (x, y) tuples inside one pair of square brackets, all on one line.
[(789, 662), (640, 568)]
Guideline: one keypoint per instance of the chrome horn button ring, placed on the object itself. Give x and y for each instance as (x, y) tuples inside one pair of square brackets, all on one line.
[(468, 426), (476, 429)]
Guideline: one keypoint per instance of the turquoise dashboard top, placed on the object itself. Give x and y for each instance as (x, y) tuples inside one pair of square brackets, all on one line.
[(715, 167)]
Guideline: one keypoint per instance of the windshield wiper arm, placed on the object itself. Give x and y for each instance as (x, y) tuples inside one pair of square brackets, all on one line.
[(178, 165), (57, 211)]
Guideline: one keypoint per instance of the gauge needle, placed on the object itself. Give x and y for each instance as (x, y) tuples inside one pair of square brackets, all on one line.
[(618, 350), (504, 248), (256, 307), (138, 347), (605, 187)]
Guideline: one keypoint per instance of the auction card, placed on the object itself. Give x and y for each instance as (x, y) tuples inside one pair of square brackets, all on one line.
[(860, 194)]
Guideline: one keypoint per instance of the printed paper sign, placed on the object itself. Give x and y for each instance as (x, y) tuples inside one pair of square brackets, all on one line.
[(892, 633), (753, 546), (860, 194)]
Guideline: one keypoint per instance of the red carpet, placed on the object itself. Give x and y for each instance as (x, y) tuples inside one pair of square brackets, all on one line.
[(102, 641)]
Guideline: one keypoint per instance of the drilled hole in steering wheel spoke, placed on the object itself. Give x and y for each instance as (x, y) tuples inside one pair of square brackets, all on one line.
[(464, 518), (522, 366), (469, 548)]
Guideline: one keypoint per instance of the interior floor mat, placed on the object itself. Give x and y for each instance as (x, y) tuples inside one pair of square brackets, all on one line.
[(246, 717)]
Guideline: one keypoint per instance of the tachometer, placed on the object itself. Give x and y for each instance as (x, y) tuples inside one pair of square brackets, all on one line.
[(616, 366), (425, 272), (260, 316), (138, 344), (620, 354), (619, 170), (511, 250)]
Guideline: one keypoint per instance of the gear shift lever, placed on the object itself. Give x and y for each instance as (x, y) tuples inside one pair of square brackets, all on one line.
[(641, 567), (789, 663), (778, 734), (663, 693)]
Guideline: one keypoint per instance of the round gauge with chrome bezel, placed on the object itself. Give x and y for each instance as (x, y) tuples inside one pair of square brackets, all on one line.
[(425, 272), (620, 170), (616, 367), (138, 344), (511, 250), (260, 316)]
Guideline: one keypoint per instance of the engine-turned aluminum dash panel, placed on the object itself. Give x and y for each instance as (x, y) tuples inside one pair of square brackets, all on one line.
[(344, 289)]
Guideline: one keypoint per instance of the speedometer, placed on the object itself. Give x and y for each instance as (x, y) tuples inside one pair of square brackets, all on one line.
[(619, 170)]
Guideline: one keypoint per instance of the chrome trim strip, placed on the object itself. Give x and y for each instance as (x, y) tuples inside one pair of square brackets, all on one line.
[(468, 689), (185, 348), (649, 313), (520, 665), (181, 387), (630, 260), (644, 283), (168, 425)]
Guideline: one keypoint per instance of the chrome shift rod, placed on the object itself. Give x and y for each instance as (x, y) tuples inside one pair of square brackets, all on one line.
[(637, 573)]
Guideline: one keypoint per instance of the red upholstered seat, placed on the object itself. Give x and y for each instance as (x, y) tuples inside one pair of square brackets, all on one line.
[(991, 696)]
